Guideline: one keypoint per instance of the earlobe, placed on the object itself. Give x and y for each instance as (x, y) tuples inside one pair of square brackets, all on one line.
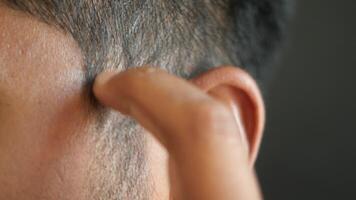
[(239, 91)]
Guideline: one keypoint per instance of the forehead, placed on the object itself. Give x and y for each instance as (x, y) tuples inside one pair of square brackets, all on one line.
[(34, 55)]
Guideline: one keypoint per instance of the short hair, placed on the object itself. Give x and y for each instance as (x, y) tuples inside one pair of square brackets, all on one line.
[(185, 37), (182, 36)]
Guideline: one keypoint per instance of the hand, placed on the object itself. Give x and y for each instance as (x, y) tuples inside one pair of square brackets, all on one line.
[(199, 132)]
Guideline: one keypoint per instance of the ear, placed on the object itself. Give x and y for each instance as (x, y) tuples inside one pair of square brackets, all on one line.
[(239, 91)]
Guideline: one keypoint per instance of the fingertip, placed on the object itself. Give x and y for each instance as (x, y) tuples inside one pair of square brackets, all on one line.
[(101, 84)]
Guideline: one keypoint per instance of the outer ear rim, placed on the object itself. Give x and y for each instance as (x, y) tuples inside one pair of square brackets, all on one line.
[(241, 80)]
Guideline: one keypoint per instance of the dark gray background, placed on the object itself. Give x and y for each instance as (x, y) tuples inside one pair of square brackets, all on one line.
[(309, 147)]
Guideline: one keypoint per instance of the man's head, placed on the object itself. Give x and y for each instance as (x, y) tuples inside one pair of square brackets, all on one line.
[(54, 143)]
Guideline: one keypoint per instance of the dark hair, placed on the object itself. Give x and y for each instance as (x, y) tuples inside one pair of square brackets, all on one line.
[(185, 37)]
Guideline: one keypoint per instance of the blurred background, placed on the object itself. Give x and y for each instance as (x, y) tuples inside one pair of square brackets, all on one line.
[(309, 147)]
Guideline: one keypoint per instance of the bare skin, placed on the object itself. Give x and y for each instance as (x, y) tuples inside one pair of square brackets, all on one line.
[(207, 160)]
